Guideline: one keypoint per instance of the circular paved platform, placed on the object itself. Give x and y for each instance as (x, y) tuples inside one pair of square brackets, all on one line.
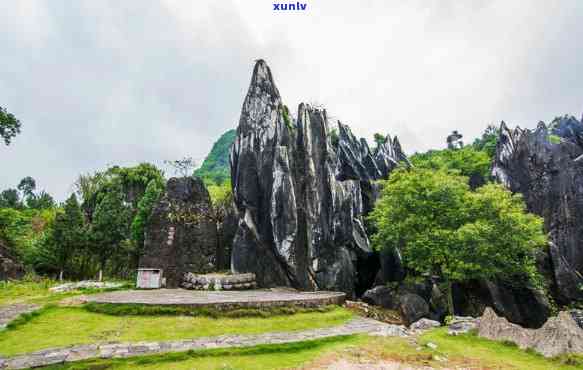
[(220, 299)]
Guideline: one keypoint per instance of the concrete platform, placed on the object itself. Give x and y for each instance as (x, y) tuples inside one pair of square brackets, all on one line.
[(221, 300)]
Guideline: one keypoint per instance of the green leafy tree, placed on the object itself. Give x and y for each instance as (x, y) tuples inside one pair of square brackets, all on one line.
[(27, 186), (132, 181), (467, 161), (444, 229), (69, 234), (487, 142), (10, 198), (42, 200), (145, 206), (110, 227), (9, 126), (24, 232)]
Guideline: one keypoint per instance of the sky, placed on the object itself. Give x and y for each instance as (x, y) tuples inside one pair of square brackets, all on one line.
[(98, 83)]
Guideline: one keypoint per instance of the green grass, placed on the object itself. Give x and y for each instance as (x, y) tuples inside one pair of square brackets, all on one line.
[(12, 292), (37, 292), (150, 310), (492, 354), (64, 326), (261, 357)]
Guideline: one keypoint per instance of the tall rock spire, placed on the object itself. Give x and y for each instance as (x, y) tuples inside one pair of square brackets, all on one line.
[(299, 197)]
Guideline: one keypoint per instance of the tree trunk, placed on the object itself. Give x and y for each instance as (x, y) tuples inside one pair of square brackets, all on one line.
[(100, 274), (450, 307), (61, 275)]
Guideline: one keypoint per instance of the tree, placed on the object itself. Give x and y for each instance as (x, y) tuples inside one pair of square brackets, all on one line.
[(42, 200), (68, 233), (27, 186), (10, 198), (110, 227), (145, 206), (182, 166), (380, 139), (467, 161), (132, 181), (444, 229), (487, 142), (9, 126)]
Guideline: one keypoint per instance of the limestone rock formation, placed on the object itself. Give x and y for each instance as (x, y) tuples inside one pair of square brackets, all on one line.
[(380, 296), (559, 335), (299, 195), (546, 166), (521, 305), (412, 307), (179, 238)]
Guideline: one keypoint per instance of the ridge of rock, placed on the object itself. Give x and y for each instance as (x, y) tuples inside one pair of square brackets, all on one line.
[(549, 174), (300, 198)]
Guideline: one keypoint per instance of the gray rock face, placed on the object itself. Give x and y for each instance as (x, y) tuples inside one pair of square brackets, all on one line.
[(380, 296), (299, 197), (179, 238), (412, 307), (548, 171), (424, 324), (521, 305), (462, 325), (578, 317), (226, 233), (559, 335)]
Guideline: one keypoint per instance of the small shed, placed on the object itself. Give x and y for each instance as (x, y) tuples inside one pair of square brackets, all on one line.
[(149, 278)]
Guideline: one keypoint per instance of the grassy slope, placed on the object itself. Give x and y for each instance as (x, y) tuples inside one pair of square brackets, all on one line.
[(63, 326), (491, 354), (36, 292), (24, 292), (466, 351)]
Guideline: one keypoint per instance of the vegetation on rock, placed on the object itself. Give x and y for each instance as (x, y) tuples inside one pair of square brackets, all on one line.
[(445, 229)]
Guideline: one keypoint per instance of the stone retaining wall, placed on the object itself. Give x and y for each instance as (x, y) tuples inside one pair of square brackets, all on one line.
[(218, 282)]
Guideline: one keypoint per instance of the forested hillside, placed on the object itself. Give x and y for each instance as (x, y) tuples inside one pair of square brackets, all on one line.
[(215, 168)]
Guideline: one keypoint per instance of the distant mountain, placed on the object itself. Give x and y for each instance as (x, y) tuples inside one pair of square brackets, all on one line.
[(215, 167)]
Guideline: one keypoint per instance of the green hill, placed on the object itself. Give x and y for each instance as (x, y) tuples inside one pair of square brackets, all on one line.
[(216, 168)]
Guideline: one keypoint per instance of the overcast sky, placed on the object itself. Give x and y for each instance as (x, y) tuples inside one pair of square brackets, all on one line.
[(101, 82)]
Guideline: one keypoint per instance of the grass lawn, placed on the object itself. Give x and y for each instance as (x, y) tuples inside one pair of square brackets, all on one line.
[(12, 292), (36, 292), (494, 355), (464, 351), (64, 326), (467, 352)]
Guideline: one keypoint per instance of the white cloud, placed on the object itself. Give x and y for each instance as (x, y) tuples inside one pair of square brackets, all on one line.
[(96, 83)]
